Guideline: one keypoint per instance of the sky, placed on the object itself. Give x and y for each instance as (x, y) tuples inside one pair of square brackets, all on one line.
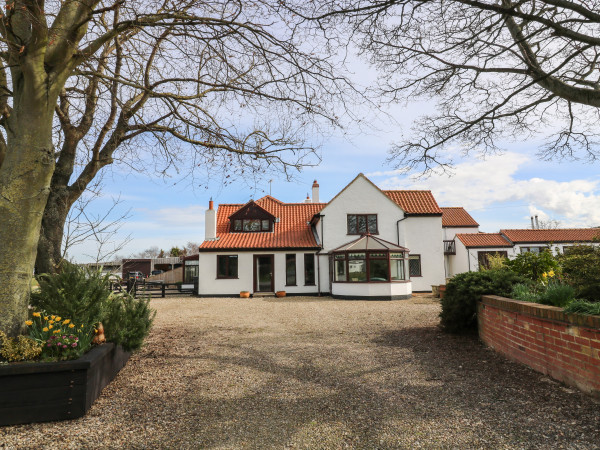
[(501, 191)]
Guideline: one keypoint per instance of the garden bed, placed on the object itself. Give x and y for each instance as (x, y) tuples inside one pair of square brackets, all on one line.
[(42, 392)]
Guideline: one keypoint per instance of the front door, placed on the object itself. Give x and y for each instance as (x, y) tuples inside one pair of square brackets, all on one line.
[(263, 273)]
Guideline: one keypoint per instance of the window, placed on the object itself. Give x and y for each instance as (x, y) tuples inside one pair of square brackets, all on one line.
[(533, 249), (397, 266), (290, 270), (340, 268), (369, 266), (362, 223), (378, 267), (309, 269), (414, 265), (191, 272), (227, 266), (251, 225)]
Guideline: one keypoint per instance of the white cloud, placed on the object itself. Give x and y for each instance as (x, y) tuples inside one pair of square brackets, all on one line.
[(481, 184), (170, 218)]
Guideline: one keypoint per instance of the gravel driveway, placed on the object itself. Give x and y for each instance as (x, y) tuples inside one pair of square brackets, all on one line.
[(318, 373)]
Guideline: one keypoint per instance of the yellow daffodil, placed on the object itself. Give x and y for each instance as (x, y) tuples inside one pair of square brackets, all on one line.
[(66, 321), (81, 326), (37, 314), (45, 317), (56, 331), (45, 329), (58, 318), (28, 323), (50, 327), (544, 275), (51, 322), (52, 317), (551, 273), (71, 325)]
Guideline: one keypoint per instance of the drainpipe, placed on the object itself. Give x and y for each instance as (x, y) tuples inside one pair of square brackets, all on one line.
[(398, 229), (318, 253), (469, 259)]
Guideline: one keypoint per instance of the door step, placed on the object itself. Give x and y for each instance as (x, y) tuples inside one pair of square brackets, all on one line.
[(264, 294)]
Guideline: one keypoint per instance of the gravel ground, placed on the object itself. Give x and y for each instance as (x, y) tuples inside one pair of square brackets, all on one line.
[(318, 373)]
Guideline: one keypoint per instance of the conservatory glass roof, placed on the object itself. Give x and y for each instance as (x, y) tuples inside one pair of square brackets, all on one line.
[(370, 242)]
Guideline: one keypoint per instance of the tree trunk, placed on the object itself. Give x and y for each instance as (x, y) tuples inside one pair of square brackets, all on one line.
[(24, 186), (49, 250)]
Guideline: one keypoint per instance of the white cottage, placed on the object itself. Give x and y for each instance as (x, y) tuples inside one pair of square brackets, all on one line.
[(364, 243)]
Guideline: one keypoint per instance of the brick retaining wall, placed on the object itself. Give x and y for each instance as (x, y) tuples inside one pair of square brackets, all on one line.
[(563, 346)]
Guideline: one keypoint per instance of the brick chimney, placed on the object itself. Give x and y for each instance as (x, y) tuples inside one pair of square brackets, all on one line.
[(210, 222), (315, 192)]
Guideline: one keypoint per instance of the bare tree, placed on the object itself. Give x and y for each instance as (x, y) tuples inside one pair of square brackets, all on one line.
[(83, 226), (151, 252), (228, 85), (497, 68), (191, 248), (549, 224)]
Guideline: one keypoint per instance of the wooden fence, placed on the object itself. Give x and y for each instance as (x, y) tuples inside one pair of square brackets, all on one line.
[(156, 289)]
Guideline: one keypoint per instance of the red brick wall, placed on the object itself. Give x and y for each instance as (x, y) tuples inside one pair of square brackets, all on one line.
[(563, 346)]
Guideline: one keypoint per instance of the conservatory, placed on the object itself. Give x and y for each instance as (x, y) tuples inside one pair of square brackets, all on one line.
[(370, 268)]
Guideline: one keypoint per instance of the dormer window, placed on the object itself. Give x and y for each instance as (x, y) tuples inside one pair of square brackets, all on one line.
[(251, 225), (251, 218)]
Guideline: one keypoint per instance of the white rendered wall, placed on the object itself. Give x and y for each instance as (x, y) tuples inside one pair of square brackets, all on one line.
[(209, 284), (360, 197), (371, 289), (451, 232), (458, 263), (423, 236)]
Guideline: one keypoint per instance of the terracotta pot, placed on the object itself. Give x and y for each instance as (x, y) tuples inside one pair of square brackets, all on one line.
[(99, 338), (280, 294), (244, 294), (442, 290)]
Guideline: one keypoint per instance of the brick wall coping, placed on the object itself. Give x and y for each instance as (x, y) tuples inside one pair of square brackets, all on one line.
[(541, 311)]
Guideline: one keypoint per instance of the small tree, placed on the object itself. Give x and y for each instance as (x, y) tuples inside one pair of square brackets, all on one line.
[(534, 265)]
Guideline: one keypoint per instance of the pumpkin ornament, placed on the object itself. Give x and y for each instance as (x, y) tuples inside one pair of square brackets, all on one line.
[(99, 338)]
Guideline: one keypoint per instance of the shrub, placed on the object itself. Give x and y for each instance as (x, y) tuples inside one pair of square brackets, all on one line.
[(75, 292), (557, 294), (525, 293), (128, 321), (21, 348), (583, 307), (581, 269), (459, 305), (534, 265)]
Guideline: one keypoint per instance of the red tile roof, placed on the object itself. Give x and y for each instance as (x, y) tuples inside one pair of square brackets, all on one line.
[(457, 217), (292, 230), (559, 235), (483, 240), (415, 202)]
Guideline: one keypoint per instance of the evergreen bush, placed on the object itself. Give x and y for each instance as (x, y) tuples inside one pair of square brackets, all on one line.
[(459, 305), (128, 321), (75, 292), (581, 269)]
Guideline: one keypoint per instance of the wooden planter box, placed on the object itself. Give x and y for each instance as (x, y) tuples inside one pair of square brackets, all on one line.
[(41, 392)]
